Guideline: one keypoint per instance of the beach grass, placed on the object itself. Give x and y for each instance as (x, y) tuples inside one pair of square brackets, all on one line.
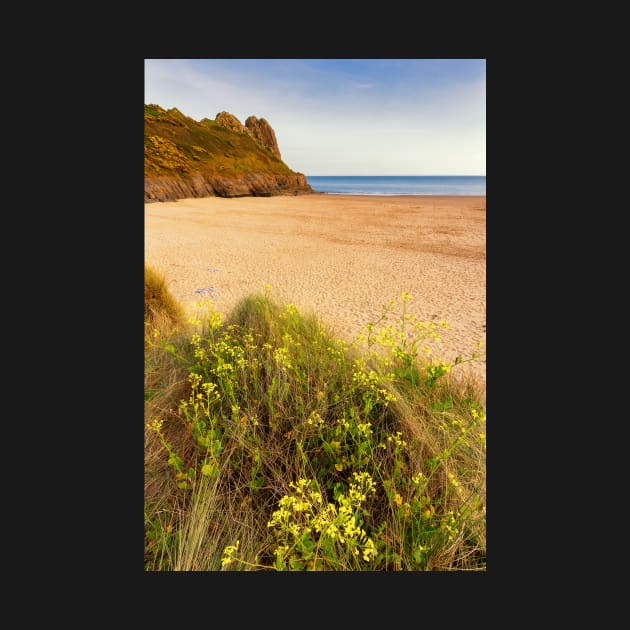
[(270, 444)]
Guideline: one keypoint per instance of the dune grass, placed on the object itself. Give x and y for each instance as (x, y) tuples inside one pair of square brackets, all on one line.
[(272, 445), (160, 307)]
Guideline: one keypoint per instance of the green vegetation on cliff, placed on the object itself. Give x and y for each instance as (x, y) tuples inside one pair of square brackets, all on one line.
[(175, 144)]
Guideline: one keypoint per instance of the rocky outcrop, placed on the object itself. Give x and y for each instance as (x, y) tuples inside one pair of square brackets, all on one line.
[(230, 121), (257, 128), (260, 129), (198, 185)]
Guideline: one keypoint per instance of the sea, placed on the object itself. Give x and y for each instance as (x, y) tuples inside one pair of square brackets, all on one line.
[(398, 185)]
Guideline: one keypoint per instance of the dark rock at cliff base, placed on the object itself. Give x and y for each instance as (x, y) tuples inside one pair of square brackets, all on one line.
[(197, 185)]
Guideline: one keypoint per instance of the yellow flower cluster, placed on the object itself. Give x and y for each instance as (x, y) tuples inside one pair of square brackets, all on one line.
[(228, 554), (315, 419), (290, 311), (370, 380), (419, 479), (156, 425), (449, 525), (482, 439), (364, 428), (337, 353), (453, 481), (397, 440), (223, 370), (363, 484), (478, 415), (194, 379), (165, 153), (211, 390), (282, 358), (305, 512)]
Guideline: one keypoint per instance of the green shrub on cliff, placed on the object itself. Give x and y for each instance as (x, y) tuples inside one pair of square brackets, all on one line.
[(172, 144)]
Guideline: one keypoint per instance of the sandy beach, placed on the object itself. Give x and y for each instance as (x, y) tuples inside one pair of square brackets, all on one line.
[(342, 256)]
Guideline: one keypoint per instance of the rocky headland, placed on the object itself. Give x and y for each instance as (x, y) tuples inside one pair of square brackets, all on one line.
[(184, 158)]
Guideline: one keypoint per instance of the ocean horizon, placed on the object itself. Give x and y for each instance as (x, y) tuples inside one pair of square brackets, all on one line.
[(398, 185)]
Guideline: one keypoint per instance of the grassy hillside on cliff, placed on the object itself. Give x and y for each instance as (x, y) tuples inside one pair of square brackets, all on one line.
[(272, 445), (175, 144)]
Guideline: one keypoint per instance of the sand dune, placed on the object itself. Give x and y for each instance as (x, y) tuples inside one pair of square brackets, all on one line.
[(343, 256)]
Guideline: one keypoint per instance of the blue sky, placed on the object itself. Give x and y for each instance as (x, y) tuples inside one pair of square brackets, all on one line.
[(342, 116)]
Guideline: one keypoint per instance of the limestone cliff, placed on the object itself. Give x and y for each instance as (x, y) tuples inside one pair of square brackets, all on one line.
[(221, 157)]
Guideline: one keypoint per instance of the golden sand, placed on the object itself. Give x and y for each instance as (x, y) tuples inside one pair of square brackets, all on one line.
[(341, 256)]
